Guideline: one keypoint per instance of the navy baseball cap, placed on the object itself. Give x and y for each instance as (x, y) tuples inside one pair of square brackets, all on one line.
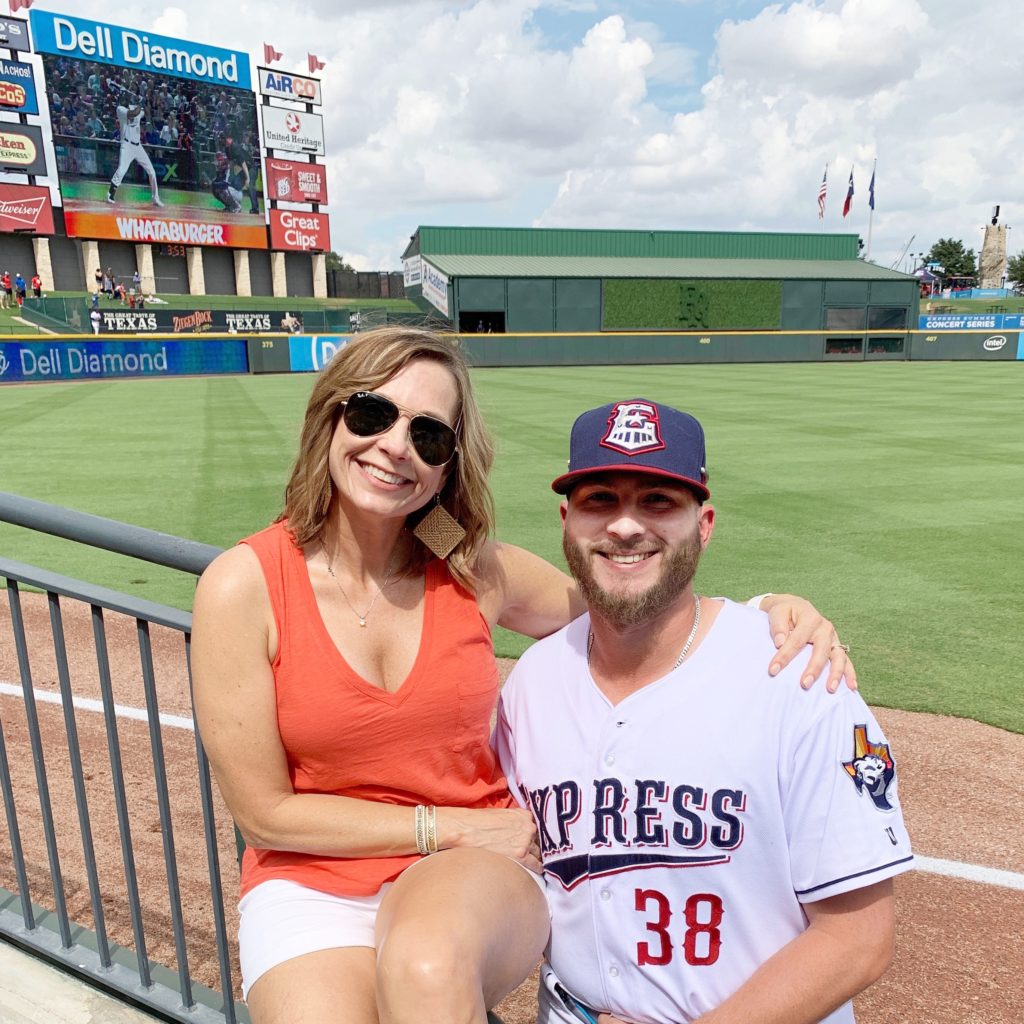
[(637, 436)]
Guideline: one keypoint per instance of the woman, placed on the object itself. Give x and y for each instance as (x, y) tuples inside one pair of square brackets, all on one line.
[(344, 685)]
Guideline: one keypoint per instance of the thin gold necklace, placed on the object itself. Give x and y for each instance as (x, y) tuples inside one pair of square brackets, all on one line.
[(380, 590), (686, 647)]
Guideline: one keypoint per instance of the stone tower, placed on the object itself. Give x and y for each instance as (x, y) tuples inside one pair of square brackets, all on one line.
[(992, 263)]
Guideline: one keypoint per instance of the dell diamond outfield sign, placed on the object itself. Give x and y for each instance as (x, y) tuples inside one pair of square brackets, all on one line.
[(91, 40)]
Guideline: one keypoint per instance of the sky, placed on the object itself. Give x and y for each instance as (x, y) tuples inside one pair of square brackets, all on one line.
[(656, 114)]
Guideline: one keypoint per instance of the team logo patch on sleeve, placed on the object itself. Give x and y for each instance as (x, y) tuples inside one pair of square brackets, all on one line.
[(872, 768), (633, 429)]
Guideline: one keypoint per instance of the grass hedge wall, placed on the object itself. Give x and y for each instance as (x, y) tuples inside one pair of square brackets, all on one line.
[(674, 305)]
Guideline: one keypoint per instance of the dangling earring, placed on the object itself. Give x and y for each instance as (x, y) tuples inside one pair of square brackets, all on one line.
[(439, 530)]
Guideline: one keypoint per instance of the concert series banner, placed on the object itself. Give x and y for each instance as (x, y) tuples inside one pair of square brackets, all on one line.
[(300, 231), (289, 181), (26, 208), (200, 321)]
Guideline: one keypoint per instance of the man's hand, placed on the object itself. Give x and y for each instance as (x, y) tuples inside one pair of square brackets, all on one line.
[(794, 623)]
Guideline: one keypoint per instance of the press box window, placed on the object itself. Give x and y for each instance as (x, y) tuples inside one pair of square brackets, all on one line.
[(886, 318), (844, 318)]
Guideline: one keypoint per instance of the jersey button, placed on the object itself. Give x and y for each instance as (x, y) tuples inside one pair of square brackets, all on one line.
[(610, 759), (613, 971), (605, 894)]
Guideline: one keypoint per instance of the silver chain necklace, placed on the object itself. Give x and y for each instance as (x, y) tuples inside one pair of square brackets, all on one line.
[(686, 647), (380, 590)]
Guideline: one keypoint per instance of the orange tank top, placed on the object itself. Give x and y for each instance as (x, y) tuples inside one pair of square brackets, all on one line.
[(426, 743)]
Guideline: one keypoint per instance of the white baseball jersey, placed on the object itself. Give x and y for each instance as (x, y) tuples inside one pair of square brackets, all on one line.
[(131, 127), (682, 829)]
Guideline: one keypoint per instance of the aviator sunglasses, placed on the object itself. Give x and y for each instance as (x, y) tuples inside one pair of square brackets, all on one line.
[(367, 414)]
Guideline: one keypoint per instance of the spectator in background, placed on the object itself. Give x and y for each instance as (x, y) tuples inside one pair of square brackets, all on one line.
[(5, 284), (20, 287), (136, 282), (108, 283), (96, 299), (37, 286)]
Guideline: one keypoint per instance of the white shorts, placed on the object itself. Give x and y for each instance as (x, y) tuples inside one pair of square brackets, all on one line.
[(280, 920)]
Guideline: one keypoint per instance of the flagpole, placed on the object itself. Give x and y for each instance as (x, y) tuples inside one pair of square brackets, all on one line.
[(871, 214)]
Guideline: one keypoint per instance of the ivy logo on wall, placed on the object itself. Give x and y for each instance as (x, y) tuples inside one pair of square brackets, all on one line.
[(693, 306)]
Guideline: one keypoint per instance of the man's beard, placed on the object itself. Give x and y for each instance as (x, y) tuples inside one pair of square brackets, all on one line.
[(622, 610)]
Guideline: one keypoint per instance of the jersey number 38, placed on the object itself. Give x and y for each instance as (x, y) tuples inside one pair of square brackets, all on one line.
[(702, 941)]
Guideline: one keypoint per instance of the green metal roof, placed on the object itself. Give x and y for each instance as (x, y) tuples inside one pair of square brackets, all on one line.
[(485, 241), (593, 266)]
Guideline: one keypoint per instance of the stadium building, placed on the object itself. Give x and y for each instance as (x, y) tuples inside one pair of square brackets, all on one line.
[(124, 150), (789, 294)]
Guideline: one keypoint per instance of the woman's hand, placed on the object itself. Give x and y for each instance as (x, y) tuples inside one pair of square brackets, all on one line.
[(795, 622), (510, 832)]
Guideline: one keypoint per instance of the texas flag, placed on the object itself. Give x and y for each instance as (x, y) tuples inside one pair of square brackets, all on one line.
[(315, 63), (270, 54), (849, 196)]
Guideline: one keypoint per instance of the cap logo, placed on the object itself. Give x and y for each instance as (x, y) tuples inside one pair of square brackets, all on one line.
[(633, 429)]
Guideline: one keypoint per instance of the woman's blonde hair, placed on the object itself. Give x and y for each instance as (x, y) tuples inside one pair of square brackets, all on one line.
[(364, 364)]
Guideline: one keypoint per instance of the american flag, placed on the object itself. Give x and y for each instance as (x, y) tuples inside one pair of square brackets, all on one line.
[(822, 193)]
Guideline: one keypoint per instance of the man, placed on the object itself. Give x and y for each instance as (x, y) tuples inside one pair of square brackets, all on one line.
[(37, 286), (20, 288), (647, 738), (129, 118), (242, 178), (6, 290), (221, 188)]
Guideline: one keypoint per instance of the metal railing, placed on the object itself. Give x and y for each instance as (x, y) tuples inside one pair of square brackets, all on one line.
[(40, 865)]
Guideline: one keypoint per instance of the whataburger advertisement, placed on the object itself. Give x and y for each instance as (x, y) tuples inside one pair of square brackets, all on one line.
[(292, 182), (208, 152), (300, 231), (21, 148), (26, 208)]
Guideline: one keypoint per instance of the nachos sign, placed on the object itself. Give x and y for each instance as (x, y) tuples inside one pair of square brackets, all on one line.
[(26, 208)]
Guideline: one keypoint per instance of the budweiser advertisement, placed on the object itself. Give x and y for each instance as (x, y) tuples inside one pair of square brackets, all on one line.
[(300, 231), (291, 182), (26, 208)]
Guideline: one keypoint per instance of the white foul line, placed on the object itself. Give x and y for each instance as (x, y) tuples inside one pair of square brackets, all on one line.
[(970, 872), (89, 704), (930, 865)]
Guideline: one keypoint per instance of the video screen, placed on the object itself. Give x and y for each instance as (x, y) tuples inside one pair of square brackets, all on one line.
[(148, 157)]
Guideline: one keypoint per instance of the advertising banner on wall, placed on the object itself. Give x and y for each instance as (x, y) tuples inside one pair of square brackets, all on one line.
[(156, 139), (280, 85), (21, 149), (435, 287), (412, 271), (30, 361), (199, 321), (14, 35), (17, 88), (292, 182), (300, 231), (26, 208), (293, 131), (314, 351)]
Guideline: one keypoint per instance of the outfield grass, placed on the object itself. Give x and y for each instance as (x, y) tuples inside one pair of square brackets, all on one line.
[(891, 494)]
